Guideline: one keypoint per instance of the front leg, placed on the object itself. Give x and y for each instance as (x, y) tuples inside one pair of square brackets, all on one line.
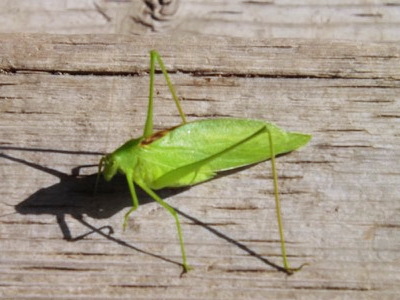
[(135, 201)]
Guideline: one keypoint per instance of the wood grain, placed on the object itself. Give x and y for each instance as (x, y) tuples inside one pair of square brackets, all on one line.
[(64, 100), (368, 20)]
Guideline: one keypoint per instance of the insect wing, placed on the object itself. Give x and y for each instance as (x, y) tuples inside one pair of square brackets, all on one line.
[(196, 141)]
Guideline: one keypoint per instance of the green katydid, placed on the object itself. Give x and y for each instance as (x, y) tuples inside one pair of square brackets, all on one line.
[(194, 152)]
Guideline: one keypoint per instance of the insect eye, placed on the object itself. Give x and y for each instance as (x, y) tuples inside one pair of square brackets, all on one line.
[(112, 163)]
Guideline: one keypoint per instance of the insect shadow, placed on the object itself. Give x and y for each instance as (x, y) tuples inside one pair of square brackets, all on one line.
[(73, 195)]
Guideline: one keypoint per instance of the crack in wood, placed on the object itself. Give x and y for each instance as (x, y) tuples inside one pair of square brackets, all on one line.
[(42, 268)]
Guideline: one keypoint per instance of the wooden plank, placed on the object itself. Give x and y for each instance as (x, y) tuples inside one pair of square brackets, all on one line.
[(328, 19), (64, 100)]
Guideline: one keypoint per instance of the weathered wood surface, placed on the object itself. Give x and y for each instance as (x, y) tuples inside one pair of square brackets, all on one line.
[(368, 20), (66, 99)]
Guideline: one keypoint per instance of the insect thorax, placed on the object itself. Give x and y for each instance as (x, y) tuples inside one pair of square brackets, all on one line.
[(123, 159)]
